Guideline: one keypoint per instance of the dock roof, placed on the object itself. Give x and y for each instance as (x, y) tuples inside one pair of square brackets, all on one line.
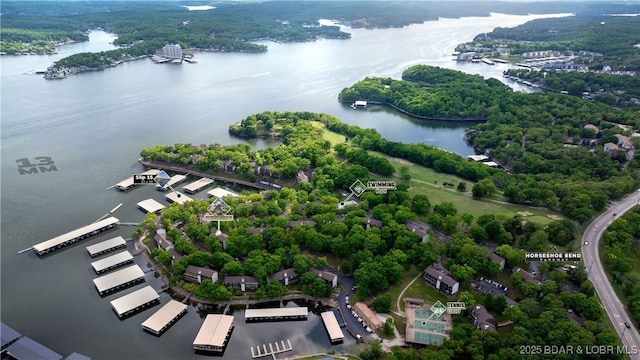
[(276, 312), (177, 197), (134, 299), (150, 206), (333, 328), (28, 349), (112, 260), (197, 185), (117, 278), (220, 193), (214, 330), (105, 245), (128, 182), (7, 335), (161, 318), (175, 179), (84, 230)]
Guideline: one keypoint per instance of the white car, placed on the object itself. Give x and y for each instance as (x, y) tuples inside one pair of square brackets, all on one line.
[(369, 330), (348, 306)]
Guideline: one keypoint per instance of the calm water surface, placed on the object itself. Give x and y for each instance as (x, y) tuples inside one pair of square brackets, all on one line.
[(93, 126)]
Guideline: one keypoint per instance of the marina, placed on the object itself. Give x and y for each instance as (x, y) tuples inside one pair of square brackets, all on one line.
[(119, 280), (333, 328), (275, 348), (214, 333), (162, 319), (135, 301), (128, 183), (177, 197), (112, 262), (276, 314), (150, 206), (71, 237), (175, 179), (197, 185), (106, 246)]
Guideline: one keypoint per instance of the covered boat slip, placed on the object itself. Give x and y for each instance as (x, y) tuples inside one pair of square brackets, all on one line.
[(165, 317), (214, 333), (175, 179), (150, 206), (106, 246), (135, 301), (177, 197), (128, 183), (197, 185), (75, 235), (276, 314), (112, 262), (28, 349), (119, 279), (8, 335), (333, 328)]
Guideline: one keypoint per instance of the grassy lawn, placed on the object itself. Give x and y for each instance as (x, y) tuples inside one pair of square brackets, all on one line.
[(429, 182), (333, 137), (400, 323), (419, 289)]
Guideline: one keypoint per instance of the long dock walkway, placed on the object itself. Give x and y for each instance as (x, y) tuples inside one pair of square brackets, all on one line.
[(197, 173)]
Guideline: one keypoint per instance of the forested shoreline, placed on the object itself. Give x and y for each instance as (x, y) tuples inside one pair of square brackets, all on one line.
[(527, 133)]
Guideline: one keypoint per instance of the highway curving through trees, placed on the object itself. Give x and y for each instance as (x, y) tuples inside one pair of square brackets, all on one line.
[(590, 252)]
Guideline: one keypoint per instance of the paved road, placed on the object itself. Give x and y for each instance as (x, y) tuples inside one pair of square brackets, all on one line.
[(353, 324), (612, 305)]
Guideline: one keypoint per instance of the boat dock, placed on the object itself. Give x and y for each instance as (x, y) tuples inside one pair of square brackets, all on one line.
[(135, 301), (162, 319), (112, 262), (75, 235), (106, 246), (214, 333), (175, 179), (197, 185), (150, 206), (177, 197), (333, 328), (275, 348), (128, 183), (119, 280), (276, 314), (488, 62)]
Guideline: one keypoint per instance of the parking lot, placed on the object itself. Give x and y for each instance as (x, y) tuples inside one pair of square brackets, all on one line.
[(485, 286)]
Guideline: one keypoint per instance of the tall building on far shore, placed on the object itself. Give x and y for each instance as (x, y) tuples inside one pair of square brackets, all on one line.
[(172, 51)]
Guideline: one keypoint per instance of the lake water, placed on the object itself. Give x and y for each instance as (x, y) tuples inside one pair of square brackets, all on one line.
[(93, 126)]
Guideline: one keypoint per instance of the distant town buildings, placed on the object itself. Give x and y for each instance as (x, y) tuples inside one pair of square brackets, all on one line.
[(172, 51)]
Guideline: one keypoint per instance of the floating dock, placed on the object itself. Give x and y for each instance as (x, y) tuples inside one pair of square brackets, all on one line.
[(214, 333), (135, 301), (8, 335), (128, 183), (112, 262), (276, 314), (75, 235), (150, 206), (488, 62), (175, 179), (162, 319), (26, 348), (197, 185), (220, 193), (106, 246), (118, 280), (272, 350), (333, 328), (177, 197)]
